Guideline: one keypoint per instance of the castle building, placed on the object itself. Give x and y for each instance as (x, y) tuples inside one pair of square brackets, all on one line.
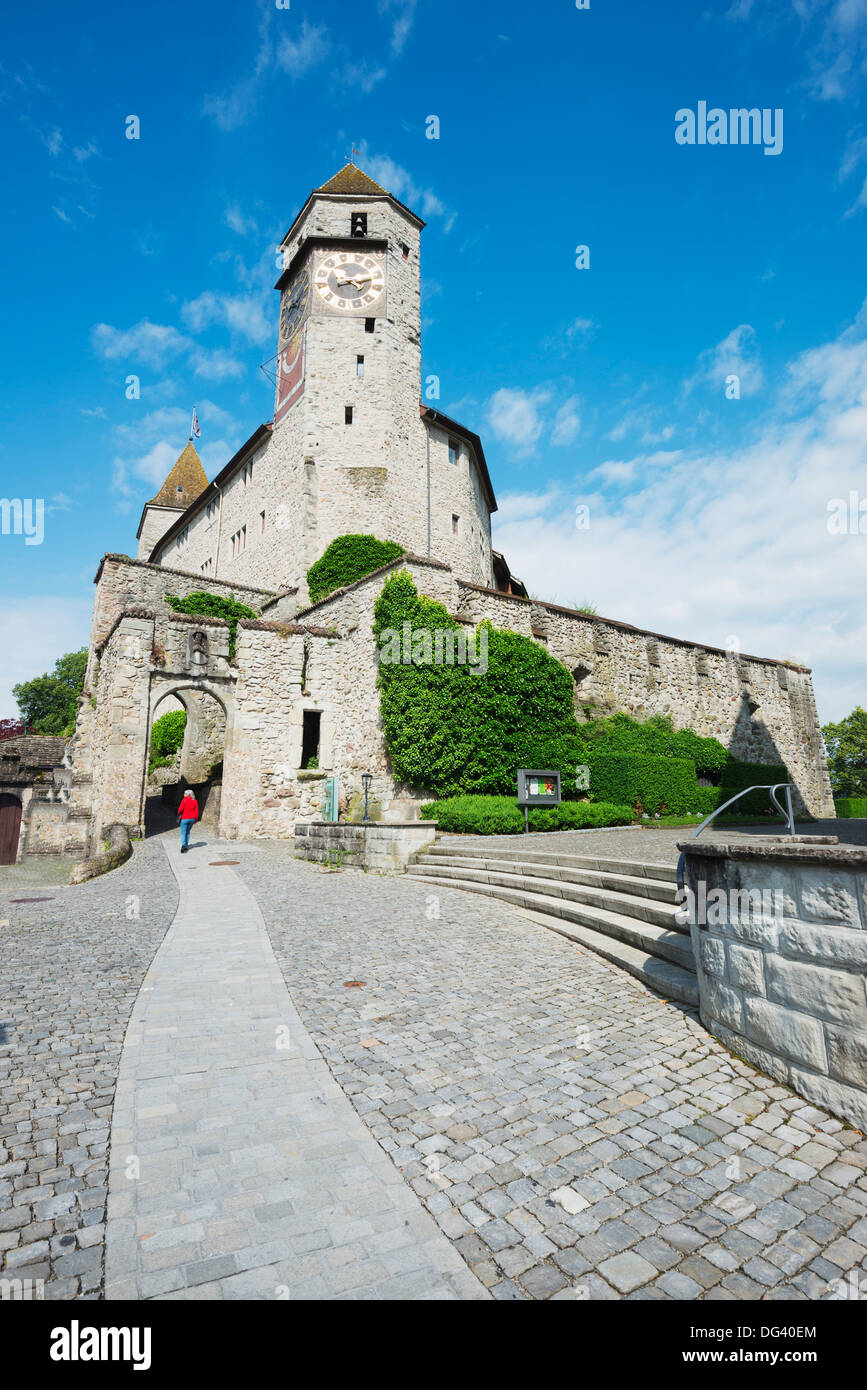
[(286, 718)]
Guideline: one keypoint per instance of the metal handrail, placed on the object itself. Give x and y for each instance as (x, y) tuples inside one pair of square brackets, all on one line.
[(762, 787)]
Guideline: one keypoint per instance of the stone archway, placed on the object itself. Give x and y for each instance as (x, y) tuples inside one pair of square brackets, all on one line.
[(209, 713)]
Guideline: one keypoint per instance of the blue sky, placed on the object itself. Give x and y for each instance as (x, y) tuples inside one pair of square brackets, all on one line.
[(604, 386)]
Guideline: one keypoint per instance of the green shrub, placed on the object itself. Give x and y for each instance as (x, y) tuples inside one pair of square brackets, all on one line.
[(621, 735), (167, 736), (651, 784), (737, 775), (451, 729), (851, 807), (214, 606), (501, 815), (347, 559)]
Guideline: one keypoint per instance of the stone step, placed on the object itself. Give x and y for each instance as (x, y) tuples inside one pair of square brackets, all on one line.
[(659, 889), (664, 873), (602, 924), (513, 875)]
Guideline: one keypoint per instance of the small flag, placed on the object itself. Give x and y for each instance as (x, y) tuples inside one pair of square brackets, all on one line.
[(195, 432)]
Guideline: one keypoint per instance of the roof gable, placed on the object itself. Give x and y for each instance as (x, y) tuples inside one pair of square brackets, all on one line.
[(186, 481)]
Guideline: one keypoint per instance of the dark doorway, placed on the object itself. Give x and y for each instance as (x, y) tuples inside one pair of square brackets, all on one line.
[(10, 827), (310, 738)]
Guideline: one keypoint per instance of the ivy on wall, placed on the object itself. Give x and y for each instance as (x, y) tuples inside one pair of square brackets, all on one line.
[(347, 559), (214, 606)]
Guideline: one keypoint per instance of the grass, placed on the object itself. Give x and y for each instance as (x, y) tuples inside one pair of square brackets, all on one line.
[(672, 822)]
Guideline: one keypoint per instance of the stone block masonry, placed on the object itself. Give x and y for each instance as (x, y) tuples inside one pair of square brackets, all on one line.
[(385, 849), (782, 963)]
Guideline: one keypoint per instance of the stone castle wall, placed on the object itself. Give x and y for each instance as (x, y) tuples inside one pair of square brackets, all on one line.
[(324, 661)]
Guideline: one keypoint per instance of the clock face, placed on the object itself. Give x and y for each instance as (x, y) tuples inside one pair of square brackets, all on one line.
[(295, 305), (348, 281)]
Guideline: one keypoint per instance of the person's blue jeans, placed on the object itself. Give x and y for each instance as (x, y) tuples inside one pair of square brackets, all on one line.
[(186, 827)]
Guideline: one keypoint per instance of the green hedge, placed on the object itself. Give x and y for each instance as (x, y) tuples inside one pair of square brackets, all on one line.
[(347, 559), (851, 807), (654, 785), (737, 775), (619, 735), (501, 815)]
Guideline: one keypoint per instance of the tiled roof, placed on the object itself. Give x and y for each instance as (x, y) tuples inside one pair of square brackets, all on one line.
[(185, 483), (351, 179)]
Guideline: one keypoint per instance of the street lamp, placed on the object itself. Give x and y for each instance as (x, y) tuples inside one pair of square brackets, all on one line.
[(366, 779)]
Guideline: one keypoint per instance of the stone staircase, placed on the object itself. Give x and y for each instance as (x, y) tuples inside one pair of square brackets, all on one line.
[(622, 910)]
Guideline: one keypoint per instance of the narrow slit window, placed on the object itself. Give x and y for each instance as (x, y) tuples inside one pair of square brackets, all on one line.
[(261, 522), (456, 522), (358, 225), (310, 738), (454, 451), (347, 414), (369, 325), (359, 366)]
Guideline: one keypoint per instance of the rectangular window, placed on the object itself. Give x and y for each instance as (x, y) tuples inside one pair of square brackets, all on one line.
[(359, 366), (310, 738), (183, 537), (247, 474), (358, 225), (347, 414), (456, 521), (211, 511), (369, 325), (239, 541), (454, 451), (405, 249)]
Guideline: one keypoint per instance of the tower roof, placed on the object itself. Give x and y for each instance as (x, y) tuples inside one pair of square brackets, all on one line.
[(186, 481), (351, 179)]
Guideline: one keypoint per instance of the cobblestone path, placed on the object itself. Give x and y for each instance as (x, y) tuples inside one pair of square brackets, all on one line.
[(70, 970), (239, 1168), (573, 1134)]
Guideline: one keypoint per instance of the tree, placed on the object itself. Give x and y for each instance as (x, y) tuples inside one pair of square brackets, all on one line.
[(846, 746), (48, 703)]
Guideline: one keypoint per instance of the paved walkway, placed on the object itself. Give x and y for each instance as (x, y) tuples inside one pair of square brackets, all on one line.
[(239, 1168)]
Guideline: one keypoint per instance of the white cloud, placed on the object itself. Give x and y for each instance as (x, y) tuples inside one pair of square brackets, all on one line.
[(34, 632), (216, 365), (736, 355), (567, 423), (516, 417), (237, 221), (299, 56), (241, 314), (404, 11), (148, 342), (733, 542)]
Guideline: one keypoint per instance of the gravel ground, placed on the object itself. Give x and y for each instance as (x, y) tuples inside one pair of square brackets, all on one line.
[(575, 1135), (70, 970)]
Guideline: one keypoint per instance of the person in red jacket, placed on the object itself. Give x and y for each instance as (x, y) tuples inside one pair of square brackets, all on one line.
[(188, 814)]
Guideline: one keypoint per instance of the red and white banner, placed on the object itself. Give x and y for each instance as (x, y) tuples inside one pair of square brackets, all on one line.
[(290, 376)]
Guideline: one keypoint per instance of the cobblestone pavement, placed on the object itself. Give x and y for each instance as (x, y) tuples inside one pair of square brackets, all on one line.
[(239, 1168), (70, 970), (37, 872), (573, 1134)]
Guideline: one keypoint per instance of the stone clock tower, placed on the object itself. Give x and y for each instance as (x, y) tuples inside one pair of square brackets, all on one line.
[(351, 447), (346, 410)]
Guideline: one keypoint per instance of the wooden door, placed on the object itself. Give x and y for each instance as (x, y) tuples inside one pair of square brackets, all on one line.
[(10, 825)]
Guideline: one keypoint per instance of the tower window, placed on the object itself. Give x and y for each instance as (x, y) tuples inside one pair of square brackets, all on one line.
[(456, 521), (347, 414), (369, 325), (405, 249), (247, 474), (359, 366), (261, 522), (359, 224), (310, 738), (454, 451)]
